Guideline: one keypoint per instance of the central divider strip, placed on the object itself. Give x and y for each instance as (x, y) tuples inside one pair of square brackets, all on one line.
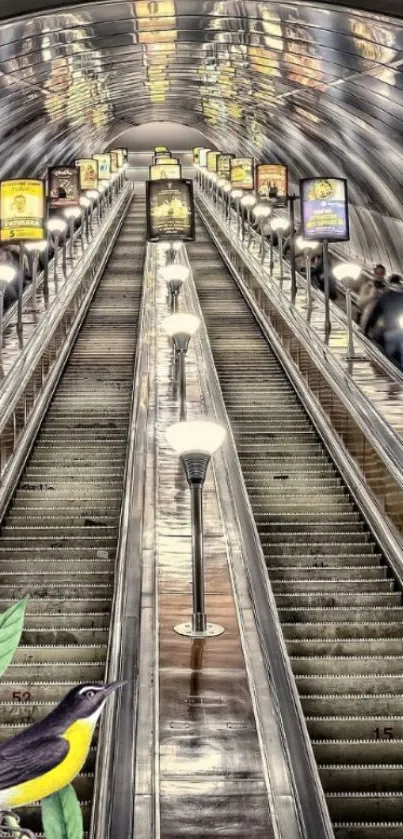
[(201, 749)]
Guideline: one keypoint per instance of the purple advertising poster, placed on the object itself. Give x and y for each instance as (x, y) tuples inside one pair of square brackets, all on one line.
[(324, 209)]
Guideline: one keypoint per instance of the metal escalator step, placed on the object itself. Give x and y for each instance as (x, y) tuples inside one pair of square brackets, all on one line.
[(343, 630), (350, 683), (338, 665), (337, 600), (346, 573), (58, 539)]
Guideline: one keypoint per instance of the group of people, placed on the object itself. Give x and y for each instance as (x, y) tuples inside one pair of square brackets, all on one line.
[(380, 312), (379, 304)]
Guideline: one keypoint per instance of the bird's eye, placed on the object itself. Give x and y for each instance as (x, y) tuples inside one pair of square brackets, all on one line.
[(90, 694)]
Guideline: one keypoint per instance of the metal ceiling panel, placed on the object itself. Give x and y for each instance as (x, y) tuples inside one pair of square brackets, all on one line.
[(317, 86)]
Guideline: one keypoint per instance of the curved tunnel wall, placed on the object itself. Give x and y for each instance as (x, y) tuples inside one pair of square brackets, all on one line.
[(316, 86)]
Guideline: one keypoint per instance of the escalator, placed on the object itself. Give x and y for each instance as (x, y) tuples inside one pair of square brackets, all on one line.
[(58, 540), (339, 605)]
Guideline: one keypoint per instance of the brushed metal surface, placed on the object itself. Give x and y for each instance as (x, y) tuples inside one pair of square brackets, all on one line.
[(316, 85), (210, 773)]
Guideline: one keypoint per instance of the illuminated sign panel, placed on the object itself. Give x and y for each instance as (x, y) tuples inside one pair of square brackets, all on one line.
[(104, 166), (212, 160), (324, 209), (22, 210), (64, 186), (242, 172), (160, 172), (170, 210), (88, 173), (271, 181), (223, 164), (203, 156)]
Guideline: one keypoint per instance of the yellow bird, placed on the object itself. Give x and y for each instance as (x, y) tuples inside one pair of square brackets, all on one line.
[(47, 756)]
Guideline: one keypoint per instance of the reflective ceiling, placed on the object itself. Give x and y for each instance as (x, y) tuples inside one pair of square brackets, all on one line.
[(319, 87)]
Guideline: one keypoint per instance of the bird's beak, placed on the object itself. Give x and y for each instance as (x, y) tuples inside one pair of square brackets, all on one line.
[(112, 687)]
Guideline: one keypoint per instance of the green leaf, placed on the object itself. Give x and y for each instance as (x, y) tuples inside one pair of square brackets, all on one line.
[(11, 626), (61, 815)]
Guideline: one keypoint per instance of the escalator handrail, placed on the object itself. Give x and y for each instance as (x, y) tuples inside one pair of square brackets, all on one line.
[(114, 792), (382, 437), (13, 385), (338, 314)]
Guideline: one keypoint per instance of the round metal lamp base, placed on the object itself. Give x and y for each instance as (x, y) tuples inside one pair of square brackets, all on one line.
[(354, 357), (212, 630)]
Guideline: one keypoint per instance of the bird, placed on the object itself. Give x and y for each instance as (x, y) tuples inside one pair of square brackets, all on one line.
[(48, 755)]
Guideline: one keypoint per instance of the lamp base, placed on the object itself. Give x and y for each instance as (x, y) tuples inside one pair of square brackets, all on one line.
[(212, 630), (355, 357)]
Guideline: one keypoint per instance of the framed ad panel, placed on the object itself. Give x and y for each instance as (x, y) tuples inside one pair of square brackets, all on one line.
[(170, 210), (324, 209)]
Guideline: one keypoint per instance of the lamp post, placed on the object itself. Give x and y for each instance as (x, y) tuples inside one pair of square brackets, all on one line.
[(261, 213), (171, 249), (195, 442), (95, 199), (307, 247), (85, 204), (34, 249), (221, 182), (8, 274), (213, 181), (247, 202), (181, 327), (227, 189), (175, 276), (56, 228), (280, 224), (236, 195), (344, 272), (72, 214)]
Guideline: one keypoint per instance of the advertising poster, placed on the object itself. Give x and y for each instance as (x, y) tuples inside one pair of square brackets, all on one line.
[(170, 210), (203, 156), (272, 181), (223, 164), (22, 210), (324, 209), (117, 159), (212, 160), (242, 172), (196, 155), (104, 166), (161, 172), (115, 168), (164, 158), (63, 186), (88, 173)]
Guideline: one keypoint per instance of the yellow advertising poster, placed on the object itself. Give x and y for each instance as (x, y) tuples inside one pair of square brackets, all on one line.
[(157, 14), (104, 166), (88, 173), (242, 174), (196, 154), (160, 172), (212, 160), (164, 160), (22, 210), (271, 180)]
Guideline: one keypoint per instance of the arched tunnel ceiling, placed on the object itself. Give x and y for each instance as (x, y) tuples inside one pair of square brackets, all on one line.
[(317, 86)]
